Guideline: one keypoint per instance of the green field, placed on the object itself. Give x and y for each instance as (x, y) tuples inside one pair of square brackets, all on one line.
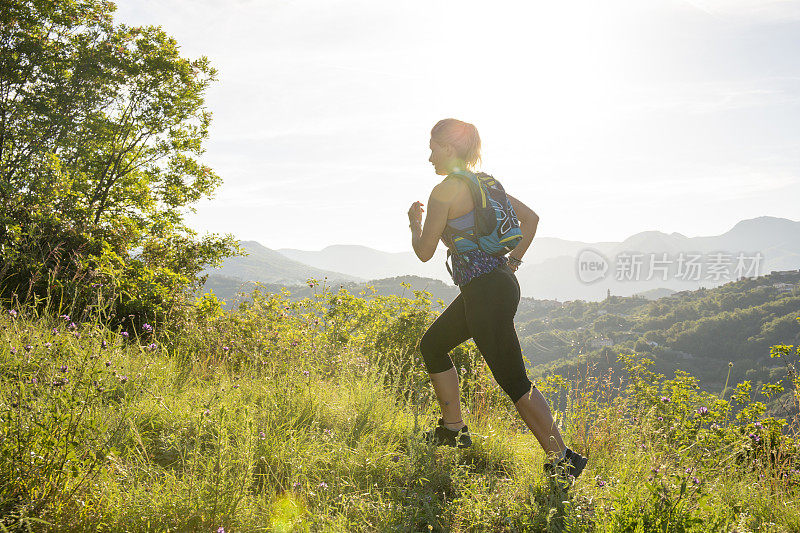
[(306, 416)]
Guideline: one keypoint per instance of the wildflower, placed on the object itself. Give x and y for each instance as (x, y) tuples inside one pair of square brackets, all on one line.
[(104, 344), (55, 331), (665, 399), (261, 435), (695, 481), (123, 379), (660, 418), (206, 412), (108, 363), (295, 343), (28, 347), (63, 369), (124, 334), (296, 485), (757, 424), (220, 529), (13, 313), (600, 482), (306, 373), (152, 346), (48, 345), (33, 381), (13, 350), (654, 470), (147, 328), (688, 470), (703, 411), (323, 485), (72, 326), (65, 317), (225, 348)]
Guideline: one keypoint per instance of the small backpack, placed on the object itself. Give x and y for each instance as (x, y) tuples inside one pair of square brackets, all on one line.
[(496, 230)]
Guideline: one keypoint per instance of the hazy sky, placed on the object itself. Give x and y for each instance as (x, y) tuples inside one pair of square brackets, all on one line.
[(607, 118)]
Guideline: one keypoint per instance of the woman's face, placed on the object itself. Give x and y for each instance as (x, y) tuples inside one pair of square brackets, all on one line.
[(441, 157)]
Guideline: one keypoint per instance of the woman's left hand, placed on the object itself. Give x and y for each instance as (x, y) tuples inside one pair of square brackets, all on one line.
[(415, 212)]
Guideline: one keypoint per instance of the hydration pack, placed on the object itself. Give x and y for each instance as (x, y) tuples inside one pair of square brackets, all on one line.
[(496, 230)]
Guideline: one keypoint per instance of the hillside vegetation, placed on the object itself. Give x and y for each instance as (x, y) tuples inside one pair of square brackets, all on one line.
[(306, 416), (700, 331)]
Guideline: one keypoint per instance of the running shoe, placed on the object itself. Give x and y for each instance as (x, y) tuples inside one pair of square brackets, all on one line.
[(443, 436), (567, 469)]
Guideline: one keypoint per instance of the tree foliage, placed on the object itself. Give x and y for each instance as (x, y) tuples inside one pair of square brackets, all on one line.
[(101, 131)]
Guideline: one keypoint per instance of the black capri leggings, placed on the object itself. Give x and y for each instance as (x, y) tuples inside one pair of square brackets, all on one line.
[(484, 311)]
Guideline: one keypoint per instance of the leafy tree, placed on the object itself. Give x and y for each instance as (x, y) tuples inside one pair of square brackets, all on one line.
[(101, 128)]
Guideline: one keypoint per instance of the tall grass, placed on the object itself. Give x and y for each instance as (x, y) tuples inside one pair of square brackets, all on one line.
[(306, 416)]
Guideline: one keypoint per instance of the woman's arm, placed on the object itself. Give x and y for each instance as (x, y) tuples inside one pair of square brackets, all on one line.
[(528, 222), (424, 240)]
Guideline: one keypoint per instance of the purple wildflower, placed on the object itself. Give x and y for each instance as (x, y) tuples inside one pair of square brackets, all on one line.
[(13, 313), (147, 328), (688, 470), (28, 347), (103, 344), (665, 399), (13, 350), (152, 346), (660, 418), (108, 363), (702, 411), (48, 344), (72, 326), (34, 381), (695, 481), (65, 317), (206, 412), (220, 529), (306, 373), (323, 485), (225, 348), (123, 379), (64, 369), (296, 485), (124, 334), (261, 435)]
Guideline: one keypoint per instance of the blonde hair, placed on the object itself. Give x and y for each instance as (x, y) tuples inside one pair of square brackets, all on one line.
[(462, 136)]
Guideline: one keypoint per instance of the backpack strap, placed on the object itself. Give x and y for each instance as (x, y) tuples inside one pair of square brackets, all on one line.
[(449, 253)]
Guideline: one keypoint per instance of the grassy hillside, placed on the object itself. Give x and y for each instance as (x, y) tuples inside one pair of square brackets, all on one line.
[(306, 416)]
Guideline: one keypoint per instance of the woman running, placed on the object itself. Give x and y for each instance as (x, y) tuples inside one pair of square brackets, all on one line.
[(485, 308)]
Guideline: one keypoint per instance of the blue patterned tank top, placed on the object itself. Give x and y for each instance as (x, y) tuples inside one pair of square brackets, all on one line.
[(471, 264)]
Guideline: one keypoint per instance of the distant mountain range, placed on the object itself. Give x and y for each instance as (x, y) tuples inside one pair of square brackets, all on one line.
[(551, 268)]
